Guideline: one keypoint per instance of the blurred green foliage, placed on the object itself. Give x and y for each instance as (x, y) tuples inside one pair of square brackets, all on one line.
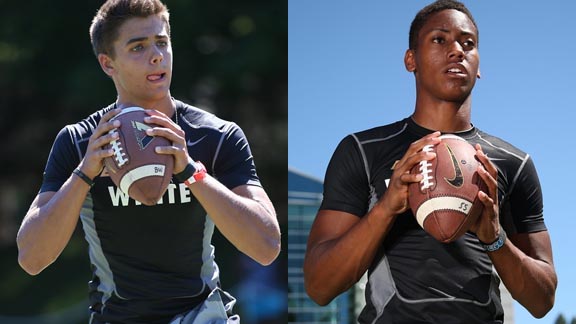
[(230, 58)]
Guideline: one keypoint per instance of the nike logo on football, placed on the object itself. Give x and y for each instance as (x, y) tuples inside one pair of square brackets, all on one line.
[(458, 179), (192, 143)]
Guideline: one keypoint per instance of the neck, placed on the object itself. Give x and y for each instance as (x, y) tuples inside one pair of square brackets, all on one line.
[(165, 105), (444, 116)]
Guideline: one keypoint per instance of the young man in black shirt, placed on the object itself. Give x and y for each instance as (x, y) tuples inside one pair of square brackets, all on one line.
[(365, 224), (150, 264)]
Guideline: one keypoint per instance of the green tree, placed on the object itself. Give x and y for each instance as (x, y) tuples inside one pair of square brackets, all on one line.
[(561, 319)]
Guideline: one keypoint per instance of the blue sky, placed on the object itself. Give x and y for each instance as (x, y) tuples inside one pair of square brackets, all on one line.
[(346, 74)]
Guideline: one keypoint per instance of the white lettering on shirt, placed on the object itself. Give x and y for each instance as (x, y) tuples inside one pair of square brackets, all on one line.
[(183, 195)]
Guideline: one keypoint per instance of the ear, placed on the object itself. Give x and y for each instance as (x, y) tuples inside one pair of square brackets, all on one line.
[(107, 64), (409, 61)]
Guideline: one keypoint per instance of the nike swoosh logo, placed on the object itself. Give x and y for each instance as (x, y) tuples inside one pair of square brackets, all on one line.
[(190, 143), (458, 179)]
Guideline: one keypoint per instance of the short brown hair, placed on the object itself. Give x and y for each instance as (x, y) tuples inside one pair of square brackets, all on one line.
[(113, 13)]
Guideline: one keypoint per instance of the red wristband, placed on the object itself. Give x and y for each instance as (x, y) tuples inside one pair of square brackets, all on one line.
[(198, 175)]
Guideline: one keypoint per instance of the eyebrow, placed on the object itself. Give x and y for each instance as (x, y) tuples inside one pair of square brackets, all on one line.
[(141, 39), (464, 32)]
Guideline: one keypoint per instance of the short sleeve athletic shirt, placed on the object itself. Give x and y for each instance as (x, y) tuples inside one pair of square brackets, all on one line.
[(414, 278), (151, 263)]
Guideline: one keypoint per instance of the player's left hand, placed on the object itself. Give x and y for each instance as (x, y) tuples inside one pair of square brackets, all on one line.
[(487, 227), (174, 133)]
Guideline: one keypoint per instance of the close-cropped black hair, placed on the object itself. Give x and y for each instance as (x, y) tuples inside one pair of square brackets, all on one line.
[(423, 15)]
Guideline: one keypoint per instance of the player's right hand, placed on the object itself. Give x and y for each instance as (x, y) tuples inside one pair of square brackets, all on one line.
[(395, 199), (93, 161)]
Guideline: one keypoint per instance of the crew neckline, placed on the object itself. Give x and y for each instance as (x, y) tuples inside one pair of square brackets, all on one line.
[(422, 131)]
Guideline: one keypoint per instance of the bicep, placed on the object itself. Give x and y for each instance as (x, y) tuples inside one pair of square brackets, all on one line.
[(63, 158), (525, 209), (41, 199), (257, 194), (346, 186), (234, 164), (330, 225), (536, 245), (524, 212)]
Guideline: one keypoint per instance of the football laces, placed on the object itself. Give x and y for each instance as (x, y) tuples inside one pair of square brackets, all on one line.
[(426, 170), (119, 154)]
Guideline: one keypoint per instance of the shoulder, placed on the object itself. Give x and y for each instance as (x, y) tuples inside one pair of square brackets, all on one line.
[(514, 165), (382, 133), (367, 144), (381, 141), (498, 149), (375, 146), (195, 118), (78, 134), (83, 129)]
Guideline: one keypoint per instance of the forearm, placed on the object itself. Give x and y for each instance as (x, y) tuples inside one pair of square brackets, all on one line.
[(49, 224), (531, 282), (248, 222), (332, 267)]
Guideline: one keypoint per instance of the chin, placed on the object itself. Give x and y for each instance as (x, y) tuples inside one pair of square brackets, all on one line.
[(458, 94), (457, 99)]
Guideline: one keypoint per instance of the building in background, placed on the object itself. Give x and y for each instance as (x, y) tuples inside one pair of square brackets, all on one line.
[(304, 198)]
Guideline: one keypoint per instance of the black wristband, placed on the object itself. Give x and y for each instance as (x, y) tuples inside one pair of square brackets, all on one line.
[(186, 173), (84, 177)]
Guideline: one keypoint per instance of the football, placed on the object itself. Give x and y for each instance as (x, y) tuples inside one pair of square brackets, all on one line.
[(445, 202), (135, 167)]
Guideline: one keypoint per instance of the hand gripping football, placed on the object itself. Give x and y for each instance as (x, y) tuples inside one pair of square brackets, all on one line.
[(135, 167), (445, 203)]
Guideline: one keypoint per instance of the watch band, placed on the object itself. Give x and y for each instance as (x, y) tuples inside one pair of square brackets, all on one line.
[(194, 172), (496, 245)]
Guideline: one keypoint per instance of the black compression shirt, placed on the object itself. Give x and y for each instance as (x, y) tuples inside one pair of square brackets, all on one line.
[(414, 278)]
